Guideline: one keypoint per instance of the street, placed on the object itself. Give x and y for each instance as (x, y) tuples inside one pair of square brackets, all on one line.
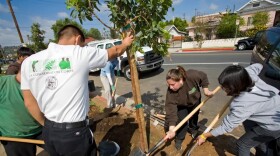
[(153, 84)]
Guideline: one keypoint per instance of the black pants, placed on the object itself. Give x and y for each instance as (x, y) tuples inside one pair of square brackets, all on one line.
[(191, 125), (19, 148), (257, 137), (69, 141)]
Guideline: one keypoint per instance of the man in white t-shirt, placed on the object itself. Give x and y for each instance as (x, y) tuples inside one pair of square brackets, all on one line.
[(55, 90)]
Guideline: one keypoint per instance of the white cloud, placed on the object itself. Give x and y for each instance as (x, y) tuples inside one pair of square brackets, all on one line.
[(9, 37), (175, 2), (5, 23), (4, 8), (213, 6), (62, 15)]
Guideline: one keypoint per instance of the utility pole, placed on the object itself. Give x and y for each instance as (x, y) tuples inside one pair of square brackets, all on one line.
[(15, 21)]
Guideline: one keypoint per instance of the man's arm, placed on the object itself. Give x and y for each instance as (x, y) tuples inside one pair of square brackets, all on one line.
[(118, 50), (32, 106)]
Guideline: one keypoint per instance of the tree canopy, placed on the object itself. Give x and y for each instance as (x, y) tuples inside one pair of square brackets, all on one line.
[(179, 23), (61, 23), (37, 38), (143, 17), (260, 19), (227, 27), (94, 33)]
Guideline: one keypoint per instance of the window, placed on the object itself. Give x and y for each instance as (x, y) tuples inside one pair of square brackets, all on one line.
[(266, 42), (249, 21), (101, 46), (256, 5), (274, 60), (108, 45)]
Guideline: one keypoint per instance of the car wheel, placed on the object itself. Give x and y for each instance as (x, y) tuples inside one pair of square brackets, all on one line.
[(242, 46), (126, 72)]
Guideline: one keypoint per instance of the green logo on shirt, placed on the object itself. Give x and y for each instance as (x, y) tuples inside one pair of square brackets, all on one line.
[(192, 90), (65, 64)]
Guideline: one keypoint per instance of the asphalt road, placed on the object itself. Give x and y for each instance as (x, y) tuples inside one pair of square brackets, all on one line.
[(153, 85)]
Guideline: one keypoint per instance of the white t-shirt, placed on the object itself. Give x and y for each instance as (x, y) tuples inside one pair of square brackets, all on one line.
[(58, 79)]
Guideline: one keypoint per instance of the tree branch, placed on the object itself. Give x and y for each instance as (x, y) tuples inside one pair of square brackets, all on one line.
[(104, 23)]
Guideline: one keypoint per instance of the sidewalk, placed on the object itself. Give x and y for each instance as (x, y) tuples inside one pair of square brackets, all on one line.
[(200, 50)]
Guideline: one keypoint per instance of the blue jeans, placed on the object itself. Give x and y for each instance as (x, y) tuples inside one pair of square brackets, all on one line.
[(257, 137)]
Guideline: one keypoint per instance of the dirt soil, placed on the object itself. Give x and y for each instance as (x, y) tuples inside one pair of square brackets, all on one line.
[(119, 125)]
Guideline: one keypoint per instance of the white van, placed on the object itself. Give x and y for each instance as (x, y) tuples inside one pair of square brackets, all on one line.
[(145, 62)]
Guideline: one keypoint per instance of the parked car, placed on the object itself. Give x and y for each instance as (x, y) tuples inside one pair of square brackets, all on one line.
[(267, 52), (146, 61), (249, 43)]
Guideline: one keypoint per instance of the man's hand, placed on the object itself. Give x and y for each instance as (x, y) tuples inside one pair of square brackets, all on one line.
[(113, 88), (128, 40), (118, 73)]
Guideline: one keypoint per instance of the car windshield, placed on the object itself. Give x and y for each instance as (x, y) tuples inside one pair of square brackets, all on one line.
[(118, 43)]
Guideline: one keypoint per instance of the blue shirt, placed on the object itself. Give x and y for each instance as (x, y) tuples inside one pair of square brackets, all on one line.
[(109, 67)]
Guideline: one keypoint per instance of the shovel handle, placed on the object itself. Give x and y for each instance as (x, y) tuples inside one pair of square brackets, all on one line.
[(32, 141), (214, 121), (114, 92), (218, 116), (195, 110)]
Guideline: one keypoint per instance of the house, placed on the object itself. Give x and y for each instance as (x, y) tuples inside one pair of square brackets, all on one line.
[(272, 7), (211, 21), (89, 39), (175, 33)]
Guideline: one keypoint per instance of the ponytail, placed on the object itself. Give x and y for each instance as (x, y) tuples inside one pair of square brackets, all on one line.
[(176, 74)]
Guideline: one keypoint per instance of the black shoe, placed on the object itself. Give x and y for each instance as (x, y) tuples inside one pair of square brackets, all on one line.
[(178, 144), (194, 134)]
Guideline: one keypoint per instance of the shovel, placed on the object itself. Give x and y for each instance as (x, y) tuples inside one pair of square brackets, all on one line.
[(32, 141), (139, 152), (114, 92), (215, 120)]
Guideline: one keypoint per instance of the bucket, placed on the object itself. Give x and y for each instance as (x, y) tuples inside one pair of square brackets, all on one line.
[(91, 86), (108, 148)]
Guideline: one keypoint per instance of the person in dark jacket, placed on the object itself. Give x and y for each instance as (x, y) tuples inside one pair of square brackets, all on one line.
[(183, 95), (22, 53)]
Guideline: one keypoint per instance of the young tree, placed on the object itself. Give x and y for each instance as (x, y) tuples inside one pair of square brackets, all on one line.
[(199, 30), (260, 19), (61, 23), (142, 17), (94, 33), (37, 38), (114, 34), (227, 27)]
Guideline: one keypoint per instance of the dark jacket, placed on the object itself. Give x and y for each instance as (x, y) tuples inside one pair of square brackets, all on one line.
[(13, 68), (187, 95)]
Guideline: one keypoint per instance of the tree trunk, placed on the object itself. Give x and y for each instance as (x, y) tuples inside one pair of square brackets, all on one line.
[(137, 99)]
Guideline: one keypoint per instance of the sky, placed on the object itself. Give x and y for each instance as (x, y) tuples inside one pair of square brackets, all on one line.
[(46, 12)]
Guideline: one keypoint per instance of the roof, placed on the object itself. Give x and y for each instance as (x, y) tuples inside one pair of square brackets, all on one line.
[(274, 2), (89, 39), (169, 27)]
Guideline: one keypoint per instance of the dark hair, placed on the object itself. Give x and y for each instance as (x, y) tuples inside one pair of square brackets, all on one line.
[(25, 51), (176, 74), (69, 31), (235, 79)]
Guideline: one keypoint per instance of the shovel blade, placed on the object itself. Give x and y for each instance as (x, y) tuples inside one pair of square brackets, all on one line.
[(137, 152)]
